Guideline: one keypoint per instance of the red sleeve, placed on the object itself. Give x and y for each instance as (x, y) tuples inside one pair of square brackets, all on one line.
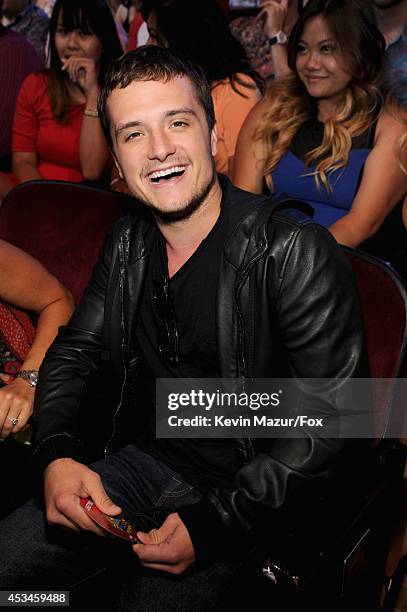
[(25, 124), (133, 31)]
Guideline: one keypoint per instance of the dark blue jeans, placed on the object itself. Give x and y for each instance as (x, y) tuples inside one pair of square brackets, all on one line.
[(146, 486), (34, 555)]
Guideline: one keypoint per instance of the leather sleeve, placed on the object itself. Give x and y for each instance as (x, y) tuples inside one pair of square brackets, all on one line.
[(319, 318), (73, 356), (321, 327)]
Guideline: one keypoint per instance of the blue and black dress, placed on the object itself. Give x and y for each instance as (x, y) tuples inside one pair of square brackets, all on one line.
[(294, 178)]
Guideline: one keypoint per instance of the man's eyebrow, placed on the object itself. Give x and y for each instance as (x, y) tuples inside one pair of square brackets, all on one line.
[(128, 124), (169, 113), (180, 111)]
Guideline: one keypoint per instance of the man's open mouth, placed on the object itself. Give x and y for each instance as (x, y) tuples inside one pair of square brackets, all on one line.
[(168, 173)]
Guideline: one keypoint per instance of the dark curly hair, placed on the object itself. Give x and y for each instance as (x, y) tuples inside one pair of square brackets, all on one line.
[(199, 30), (151, 63)]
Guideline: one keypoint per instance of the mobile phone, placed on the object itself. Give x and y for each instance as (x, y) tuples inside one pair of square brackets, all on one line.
[(117, 526)]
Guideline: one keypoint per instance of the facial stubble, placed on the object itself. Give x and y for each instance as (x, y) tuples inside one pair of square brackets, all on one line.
[(193, 204)]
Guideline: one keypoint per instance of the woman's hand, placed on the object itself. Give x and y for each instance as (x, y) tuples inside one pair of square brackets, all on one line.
[(274, 15), (82, 71), (16, 403)]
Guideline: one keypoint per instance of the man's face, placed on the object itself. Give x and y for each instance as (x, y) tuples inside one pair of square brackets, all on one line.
[(162, 145), (385, 4)]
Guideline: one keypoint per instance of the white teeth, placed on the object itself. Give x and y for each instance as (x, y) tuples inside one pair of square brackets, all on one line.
[(166, 172)]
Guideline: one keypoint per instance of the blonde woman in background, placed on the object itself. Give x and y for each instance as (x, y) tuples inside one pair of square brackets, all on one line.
[(328, 134)]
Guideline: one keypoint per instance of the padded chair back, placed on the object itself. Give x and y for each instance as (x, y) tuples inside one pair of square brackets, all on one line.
[(383, 298), (62, 225)]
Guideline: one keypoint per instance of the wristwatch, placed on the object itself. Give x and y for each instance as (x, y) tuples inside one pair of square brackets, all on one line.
[(30, 376), (280, 38)]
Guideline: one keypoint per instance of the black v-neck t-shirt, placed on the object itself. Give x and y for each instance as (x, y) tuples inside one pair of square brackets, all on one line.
[(202, 462)]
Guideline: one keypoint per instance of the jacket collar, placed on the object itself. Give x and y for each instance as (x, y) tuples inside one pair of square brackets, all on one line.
[(247, 242)]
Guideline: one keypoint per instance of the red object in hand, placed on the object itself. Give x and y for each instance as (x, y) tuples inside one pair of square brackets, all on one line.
[(115, 525)]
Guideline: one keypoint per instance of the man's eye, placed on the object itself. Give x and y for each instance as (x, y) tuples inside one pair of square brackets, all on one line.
[(179, 123), (132, 136)]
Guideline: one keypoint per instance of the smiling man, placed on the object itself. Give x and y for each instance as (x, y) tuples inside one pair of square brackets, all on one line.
[(202, 281), (163, 146)]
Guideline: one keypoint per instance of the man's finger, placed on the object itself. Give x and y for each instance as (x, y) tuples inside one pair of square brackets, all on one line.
[(103, 501), (171, 569), (152, 537), (77, 520), (90, 525), (155, 553), (61, 520)]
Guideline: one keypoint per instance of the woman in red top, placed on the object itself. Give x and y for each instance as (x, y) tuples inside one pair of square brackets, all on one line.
[(56, 130)]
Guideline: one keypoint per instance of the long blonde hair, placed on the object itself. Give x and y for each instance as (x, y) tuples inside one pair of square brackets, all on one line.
[(290, 107), (353, 26)]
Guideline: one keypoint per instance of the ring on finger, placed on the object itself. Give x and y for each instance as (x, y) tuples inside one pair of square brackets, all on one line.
[(14, 420)]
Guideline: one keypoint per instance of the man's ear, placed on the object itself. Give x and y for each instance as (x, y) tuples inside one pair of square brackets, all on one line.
[(119, 170), (214, 141)]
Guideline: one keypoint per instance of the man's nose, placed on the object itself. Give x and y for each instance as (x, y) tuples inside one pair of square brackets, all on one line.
[(161, 145)]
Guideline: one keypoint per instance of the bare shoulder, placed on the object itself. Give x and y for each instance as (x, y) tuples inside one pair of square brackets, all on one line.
[(390, 126), (253, 120), (258, 111)]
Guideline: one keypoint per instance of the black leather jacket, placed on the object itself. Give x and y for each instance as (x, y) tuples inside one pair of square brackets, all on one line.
[(287, 306)]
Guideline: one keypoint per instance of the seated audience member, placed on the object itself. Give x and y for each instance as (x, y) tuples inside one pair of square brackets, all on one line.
[(45, 5), (392, 22), (24, 283), (17, 59), (328, 136), (178, 259), (200, 30), (265, 36), (25, 17), (138, 31), (115, 6), (56, 130)]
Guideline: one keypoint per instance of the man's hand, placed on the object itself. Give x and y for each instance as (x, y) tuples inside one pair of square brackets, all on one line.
[(274, 15), (16, 402), (168, 549), (65, 481)]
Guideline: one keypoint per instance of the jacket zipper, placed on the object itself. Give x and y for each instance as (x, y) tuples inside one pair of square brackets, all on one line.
[(245, 273), (238, 286), (118, 408)]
